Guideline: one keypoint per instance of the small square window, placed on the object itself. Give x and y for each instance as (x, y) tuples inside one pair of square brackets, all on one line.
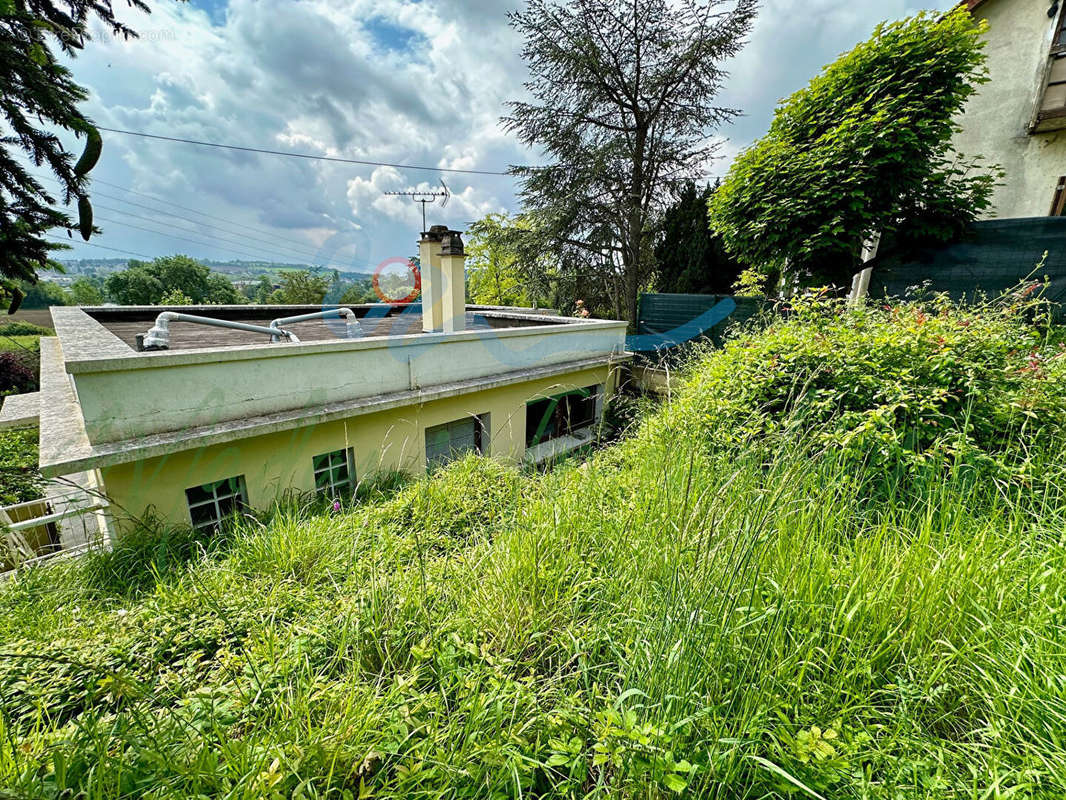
[(333, 474), (213, 503)]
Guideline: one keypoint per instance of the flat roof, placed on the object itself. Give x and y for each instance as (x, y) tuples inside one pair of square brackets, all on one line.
[(127, 322)]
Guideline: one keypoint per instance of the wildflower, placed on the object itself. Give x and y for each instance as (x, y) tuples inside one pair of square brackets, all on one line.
[(336, 506)]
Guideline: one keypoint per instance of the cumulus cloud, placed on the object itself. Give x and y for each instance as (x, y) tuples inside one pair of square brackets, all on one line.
[(398, 81)]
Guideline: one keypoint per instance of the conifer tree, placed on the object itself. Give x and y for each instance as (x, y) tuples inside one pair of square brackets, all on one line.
[(38, 97)]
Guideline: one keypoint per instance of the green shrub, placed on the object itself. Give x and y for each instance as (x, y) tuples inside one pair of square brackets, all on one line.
[(20, 481), (22, 328), (900, 386), (714, 607)]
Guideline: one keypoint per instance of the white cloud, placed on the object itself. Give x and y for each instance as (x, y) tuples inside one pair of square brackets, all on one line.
[(397, 81)]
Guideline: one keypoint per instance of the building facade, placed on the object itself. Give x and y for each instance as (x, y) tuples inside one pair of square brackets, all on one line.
[(1018, 118), (189, 421)]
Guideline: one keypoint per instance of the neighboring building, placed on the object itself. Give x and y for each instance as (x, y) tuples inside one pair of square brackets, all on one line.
[(225, 418), (1018, 118)]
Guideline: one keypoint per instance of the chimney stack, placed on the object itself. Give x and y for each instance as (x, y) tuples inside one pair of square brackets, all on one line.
[(442, 258)]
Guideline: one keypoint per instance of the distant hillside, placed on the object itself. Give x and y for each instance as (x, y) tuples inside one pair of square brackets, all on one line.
[(234, 269)]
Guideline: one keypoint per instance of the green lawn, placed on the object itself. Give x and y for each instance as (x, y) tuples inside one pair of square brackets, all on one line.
[(19, 344), (834, 565)]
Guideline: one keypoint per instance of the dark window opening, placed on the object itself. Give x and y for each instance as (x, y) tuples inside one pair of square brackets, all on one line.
[(333, 474), (562, 415), (213, 503)]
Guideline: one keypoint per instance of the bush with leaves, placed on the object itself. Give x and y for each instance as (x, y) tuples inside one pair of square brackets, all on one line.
[(901, 386), (865, 148)]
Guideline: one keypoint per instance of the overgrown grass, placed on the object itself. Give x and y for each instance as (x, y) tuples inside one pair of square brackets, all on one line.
[(682, 614)]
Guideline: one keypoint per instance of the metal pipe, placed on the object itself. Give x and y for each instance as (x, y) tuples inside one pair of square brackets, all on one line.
[(158, 337), (353, 329)]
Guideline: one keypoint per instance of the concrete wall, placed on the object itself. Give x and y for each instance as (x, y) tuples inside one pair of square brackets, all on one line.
[(388, 440), (148, 393), (996, 120)]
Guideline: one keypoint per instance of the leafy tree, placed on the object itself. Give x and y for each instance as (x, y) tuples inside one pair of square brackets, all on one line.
[(494, 273), (175, 297), (691, 258), (865, 148), (147, 283), (261, 291), (38, 96), (86, 292), (43, 294), (135, 286), (622, 104), (359, 292), (300, 287), (220, 291)]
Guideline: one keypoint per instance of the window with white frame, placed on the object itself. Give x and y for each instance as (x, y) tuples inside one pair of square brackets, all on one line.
[(334, 475), (451, 440), (212, 503), (565, 414)]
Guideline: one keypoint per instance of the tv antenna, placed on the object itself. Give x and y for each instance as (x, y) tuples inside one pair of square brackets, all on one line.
[(426, 198)]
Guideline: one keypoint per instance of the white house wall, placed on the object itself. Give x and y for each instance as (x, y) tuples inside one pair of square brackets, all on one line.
[(996, 120)]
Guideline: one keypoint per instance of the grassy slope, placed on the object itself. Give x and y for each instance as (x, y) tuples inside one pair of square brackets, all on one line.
[(668, 617)]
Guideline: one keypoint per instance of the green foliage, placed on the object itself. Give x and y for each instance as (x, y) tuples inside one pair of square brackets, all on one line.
[(621, 103), (44, 294), (865, 148), (690, 259), (147, 283), (715, 607), (38, 96), (87, 292), (494, 275), (300, 287), (750, 283), (175, 297), (22, 328), (902, 388), (19, 479)]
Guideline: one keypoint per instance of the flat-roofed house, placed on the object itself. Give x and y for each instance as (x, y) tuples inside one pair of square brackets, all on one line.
[(194, 421), (1018, 118)]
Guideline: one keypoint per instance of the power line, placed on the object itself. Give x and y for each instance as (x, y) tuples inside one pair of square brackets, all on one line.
[(242, 239), (254, 229), (191, 210), (300, 155), (224, 247), (258, 256), (101, 246)]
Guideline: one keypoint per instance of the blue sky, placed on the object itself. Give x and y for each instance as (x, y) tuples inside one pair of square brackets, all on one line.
[(402, 81)]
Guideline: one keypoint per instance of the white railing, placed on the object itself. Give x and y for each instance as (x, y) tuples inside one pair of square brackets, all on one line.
[(29, 530)]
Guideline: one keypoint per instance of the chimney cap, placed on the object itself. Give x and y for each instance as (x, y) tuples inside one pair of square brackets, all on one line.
[(435, 233), (452, 244)]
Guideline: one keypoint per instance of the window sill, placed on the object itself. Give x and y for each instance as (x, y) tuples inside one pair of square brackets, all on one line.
[(560, 446)]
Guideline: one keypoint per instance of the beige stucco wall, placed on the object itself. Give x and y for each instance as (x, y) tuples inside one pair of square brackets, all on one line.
[(996, 120), (388, 440)]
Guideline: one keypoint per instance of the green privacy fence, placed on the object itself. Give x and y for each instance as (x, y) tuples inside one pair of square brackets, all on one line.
[(992, 256), (671, 316)]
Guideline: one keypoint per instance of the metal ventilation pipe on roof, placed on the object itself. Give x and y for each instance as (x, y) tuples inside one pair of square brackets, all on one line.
[(353, 330), (158, 337)]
